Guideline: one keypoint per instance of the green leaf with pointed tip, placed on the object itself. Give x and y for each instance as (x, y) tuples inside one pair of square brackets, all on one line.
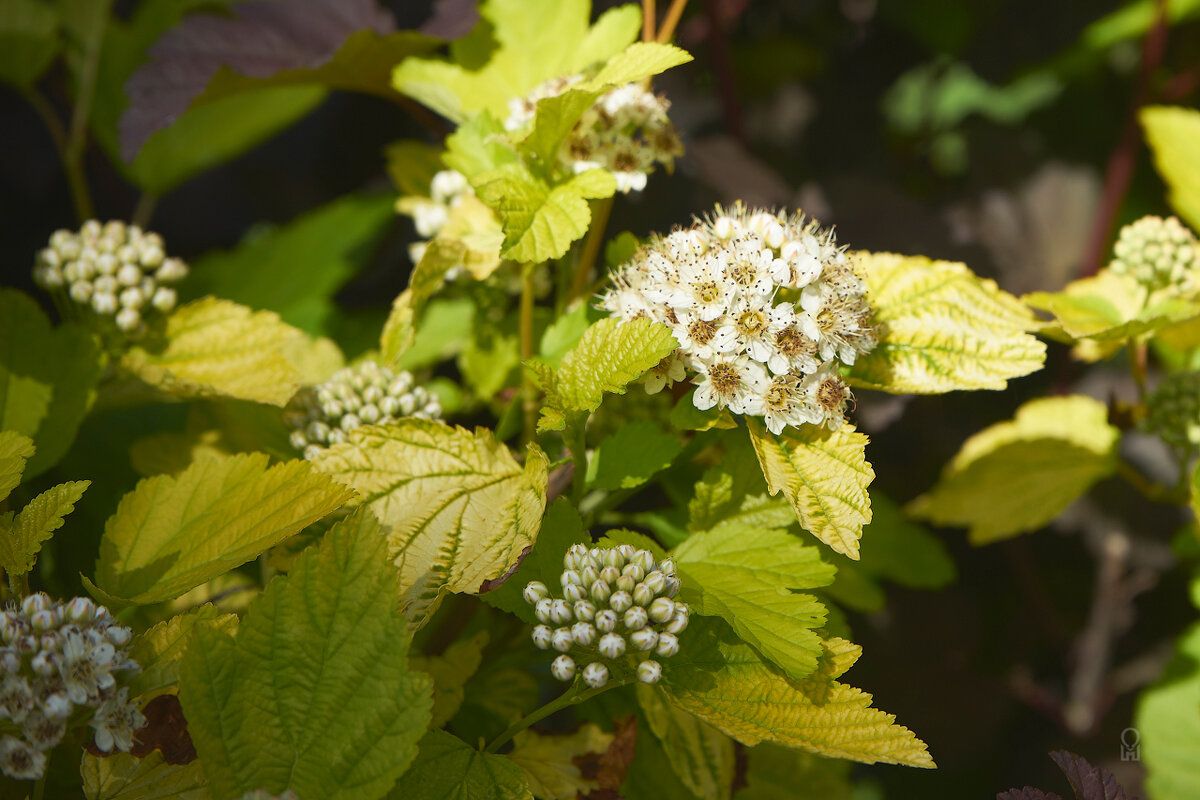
[(750, 578), (64, 358), (1168, 720), (215, 348), (780, 773), (824, 475), (29, 41), (725, 683), (159, 650), (631, 456), (608, 357), (1172, 134), (541, 222), (458, 507), (551, 763), (314, 693), (1016, 476), (701, 755), (561, 528), (171, 534), (15, 449), (447, 768), (21, 539), (120, 776), (941, 328), (450, 672)]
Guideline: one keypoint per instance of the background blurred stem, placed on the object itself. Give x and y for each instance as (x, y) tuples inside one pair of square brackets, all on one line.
[(528, 390), (649, 15), (591, 249), (671, 21), (72, 154)]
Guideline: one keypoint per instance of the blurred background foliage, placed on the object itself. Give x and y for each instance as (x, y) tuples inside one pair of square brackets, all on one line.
[(1001, 133)]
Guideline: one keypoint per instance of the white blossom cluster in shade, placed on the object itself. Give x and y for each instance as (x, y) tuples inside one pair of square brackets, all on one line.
[(429, 214), (1174, 410), (365, 394), (617, 605), (118, 271), (59, 664), (626, 131), (764, 306), (1158, 253)]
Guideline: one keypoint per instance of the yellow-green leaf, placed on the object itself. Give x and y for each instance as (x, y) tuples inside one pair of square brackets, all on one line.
[(158, 650), (21, 539), (1168, 721), (399, 330), (725, 683), (1173, 134), (172, 533), (779, 773), (700, 754), (447, 768), (549, 761), (215, 348), (824, 475), (458, 506), (1016, 476), (942, 328), (120, 776), (15, 450)]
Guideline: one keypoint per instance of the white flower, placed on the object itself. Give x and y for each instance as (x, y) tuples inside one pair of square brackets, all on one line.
[(115, 722), (736, 384), (670, 370), (16, 698), (704, 286), (20, 761), (43, 732), (749, 328), (786, 403), (85, 667)]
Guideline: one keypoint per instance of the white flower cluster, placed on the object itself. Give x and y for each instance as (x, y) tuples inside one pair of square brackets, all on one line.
[(1158, 253), (365, 394), (118, 271), (429, 214), (617, 605), (56, 660), (626, 131), (764, 307)]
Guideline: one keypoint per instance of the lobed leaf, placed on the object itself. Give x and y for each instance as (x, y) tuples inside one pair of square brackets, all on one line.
[(22, 537), (726, 684), (750, 577), (561, 528), (15, 450), (701, 756), (1172, 134), (215, 348), (120, 776), (159, 650), (1018, 475), (824, 476), (447, 768), (458, 508), (172, 533), (314, 693), (941, 328), (550, 763)]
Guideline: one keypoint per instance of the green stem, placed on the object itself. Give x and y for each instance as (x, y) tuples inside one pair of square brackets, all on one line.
[(76, 143), (1137, 365), (528, 390), (1151, 491), (575, 437), (144, 211), (591, 248), (568, 698)]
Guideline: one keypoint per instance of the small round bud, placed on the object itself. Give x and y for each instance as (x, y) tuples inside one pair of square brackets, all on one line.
[(43, 621), (574, 593), (625, 583), (38, 601), (672, 586), (635, 618), (606, 620), (369, 413), (668, 644), (634, 571), (542, 634), (644, 639), (643, 559), (104, 302), (612, 558), (620, 602), (118, 635), (626, 551), (542, 609), (80, 610), (579, 553), (535, 591), (570, 578), (678, 623), (349, 422), (649, 671), (655, 581), (642, 595), (661, 609), (584, 633), (595, 675), (610, 574), (560, 612), (667, 567), (589, 575), (601, 590), (128, 319), (561, 639), (80, 291), (129, 275), (132, 298), (612, 645), (563, 668), (585, 610)]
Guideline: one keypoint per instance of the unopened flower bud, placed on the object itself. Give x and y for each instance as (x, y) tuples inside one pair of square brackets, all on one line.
[(535, 591), (589, 575), (585, 610), (620, 601), (542, 634), (642, 595), (656, 582), (595, 675), (635, 618), (80, 291), (574, 592), (625, 583), (661, 609), (606, 620), (104, 302), (633, 571), (570, 578), (43, 664), (43, 620), (560, 612), (128, 319), (612, 645), (678, 623), (542, 609), (610, 574), (649, 671), (563, 668), (667, 567), (119, 635), (644, 639), (601, 591), (561, 640), (672, 588), (39, 601), (626, 551), (668, 644), (584, 633)]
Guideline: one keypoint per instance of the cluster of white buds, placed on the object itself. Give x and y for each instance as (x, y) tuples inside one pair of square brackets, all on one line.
[(1158, 253), (118, 271), (1174, 410), (429, 214), (626, 131), (58, 660), (764, 307), (617, 605), (365, 394)]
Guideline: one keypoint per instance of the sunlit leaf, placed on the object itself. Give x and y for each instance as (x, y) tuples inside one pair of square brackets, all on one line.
[(159, 650), (22, 537), (1172, 134), (1168, 724)]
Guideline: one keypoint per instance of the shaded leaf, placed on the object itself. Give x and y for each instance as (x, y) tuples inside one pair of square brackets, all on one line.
[(561, 528), (1172, 134), (1169, 725), (450, 672), (1089, 783), (701, 756), (120, 776), (21, 539), (159, 650), (631, 456), (447, 768), (29, 41), (779, 773), (15, 449), (24, 402), (549, 761)]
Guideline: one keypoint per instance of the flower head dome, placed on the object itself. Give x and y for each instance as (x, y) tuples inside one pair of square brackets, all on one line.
[(1158, 253)]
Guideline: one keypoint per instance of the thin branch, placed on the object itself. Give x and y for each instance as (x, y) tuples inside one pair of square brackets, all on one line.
[(671, 21), (649, 15), (601, 210)]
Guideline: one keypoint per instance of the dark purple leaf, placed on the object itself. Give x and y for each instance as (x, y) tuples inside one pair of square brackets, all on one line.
[(1028, 793), (452, 18), (1089, 783), (262, 38)]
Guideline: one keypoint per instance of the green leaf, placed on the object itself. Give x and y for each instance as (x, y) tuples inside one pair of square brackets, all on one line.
[(314, 693), (120, 776), (541, 222), (159, 650), (1172, 134), (561, 528), (447, 768), (450, 672), (486, 365), (1168, 721), (564, 333), (445, 328), (458, 508), (173, 533), (901, 551), (631, 456), (550, 765), (15, 449), (779, 773), (942, 328), (687, 417), (215, 348), (608, 357), (726, 684), (65, 358), (701, 756), (24, 402), (750, 577), (478, 146), (824, 476), (28, 41), (22, 539), (1016, 476), (734, 492), (411, 164), (297, 268)]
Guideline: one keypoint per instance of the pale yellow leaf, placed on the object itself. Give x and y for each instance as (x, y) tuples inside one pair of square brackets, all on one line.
[(123, 777), (1173, 134), (548, 761), (700, 754)]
